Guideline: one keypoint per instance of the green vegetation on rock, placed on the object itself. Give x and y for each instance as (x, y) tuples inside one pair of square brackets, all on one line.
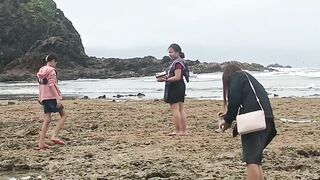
[(41, 11)]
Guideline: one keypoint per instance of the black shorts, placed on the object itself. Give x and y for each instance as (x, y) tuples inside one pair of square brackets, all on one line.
[(254, 143), (175, 92), (50, 106)]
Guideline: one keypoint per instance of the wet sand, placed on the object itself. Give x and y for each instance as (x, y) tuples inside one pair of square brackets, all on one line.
[(128, 140)]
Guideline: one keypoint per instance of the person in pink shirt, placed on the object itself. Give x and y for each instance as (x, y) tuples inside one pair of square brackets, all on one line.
[(50, 97)]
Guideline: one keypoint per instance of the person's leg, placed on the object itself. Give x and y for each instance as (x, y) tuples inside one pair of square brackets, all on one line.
[(176, 117), (253, 172), (183, 116), (44, 130), (59, 125), (261, 173)]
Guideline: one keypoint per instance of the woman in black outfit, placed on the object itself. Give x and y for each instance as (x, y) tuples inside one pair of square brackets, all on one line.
[(175, 89), (237, 93)]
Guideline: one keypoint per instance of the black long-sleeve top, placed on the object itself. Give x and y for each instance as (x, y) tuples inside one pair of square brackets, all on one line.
[(241, 93)]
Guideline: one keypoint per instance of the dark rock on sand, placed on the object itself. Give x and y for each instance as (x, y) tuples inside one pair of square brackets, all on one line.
[(102, 97), (85, 97), (141, 95), (118, 96)]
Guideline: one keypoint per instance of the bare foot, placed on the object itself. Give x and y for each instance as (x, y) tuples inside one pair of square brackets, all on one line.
[(58, 141), (43, 147), (173, 134), (183, 134)]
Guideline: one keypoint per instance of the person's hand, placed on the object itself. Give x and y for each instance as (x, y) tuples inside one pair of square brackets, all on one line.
[(221, 114), (224, 126), (59, 103), (162, 78)]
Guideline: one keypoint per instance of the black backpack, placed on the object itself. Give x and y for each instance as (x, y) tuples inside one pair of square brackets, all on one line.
[(186, 72)]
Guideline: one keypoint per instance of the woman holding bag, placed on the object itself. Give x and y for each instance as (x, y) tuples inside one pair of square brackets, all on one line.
[(243, 94)]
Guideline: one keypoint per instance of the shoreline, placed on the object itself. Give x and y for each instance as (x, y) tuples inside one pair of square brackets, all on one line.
[(125, 97)]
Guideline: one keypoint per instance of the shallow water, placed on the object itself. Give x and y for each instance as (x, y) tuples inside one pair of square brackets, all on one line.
[(294, 82)]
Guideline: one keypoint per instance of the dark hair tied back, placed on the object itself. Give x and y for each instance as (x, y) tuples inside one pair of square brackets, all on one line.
[(50, 57), (178, 49)]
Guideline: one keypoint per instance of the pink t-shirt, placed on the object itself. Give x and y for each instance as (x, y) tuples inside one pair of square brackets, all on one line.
[(49, 90)]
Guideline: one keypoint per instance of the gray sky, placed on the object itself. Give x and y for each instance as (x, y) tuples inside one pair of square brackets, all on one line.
[(261, 31)]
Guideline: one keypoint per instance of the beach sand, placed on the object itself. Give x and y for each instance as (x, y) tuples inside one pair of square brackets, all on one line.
[(128, 140)]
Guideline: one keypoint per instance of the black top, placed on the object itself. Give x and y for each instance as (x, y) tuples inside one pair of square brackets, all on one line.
[(241, 93)]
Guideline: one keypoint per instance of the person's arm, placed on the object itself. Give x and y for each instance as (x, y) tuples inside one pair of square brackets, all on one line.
[(176, 77), (177, 73), (234, 98), (52, 78)]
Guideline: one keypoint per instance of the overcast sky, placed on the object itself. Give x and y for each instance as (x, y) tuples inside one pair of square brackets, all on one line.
[(261, 31)]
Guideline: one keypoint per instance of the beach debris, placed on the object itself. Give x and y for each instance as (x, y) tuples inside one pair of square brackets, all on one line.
[(26, 178), (158, 174), (308, 153), (28, 131), (130, 95), (11, 103), (88, 156), (6, 165), (297, 121), (102, 178), (94, 126)]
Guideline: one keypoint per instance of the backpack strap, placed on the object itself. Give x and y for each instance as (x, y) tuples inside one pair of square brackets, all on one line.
[(185, 68)]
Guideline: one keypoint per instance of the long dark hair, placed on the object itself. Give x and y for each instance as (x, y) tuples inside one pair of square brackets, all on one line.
[(228, 71), (178, 49)]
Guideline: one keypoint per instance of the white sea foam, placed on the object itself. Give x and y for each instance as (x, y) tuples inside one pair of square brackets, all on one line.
[(285, 82)]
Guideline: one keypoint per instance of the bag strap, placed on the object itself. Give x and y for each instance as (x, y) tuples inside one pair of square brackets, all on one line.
[(254, 91)]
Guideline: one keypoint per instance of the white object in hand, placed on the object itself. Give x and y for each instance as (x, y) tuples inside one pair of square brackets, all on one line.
[(161, 74), (221, 121)]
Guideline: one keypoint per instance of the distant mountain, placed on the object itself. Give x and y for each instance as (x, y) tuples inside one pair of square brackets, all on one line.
[(30, 29)]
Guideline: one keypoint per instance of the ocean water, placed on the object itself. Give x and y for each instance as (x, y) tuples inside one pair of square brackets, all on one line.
[(293, 82)]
